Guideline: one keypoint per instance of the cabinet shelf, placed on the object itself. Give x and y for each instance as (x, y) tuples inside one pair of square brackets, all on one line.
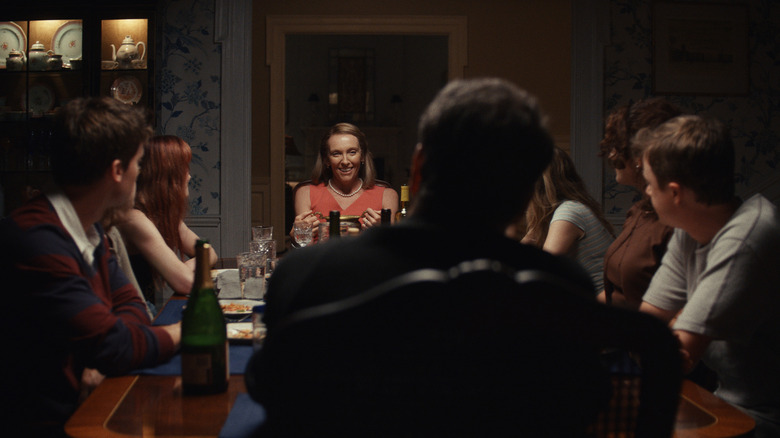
[(79, 31)]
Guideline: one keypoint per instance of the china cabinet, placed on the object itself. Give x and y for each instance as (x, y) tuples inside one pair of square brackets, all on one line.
[(53, 52)]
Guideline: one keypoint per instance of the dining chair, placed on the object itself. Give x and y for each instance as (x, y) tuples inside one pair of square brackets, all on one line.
[(476, 350)]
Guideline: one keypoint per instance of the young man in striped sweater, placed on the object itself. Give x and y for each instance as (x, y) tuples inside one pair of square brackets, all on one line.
[(69, 311)]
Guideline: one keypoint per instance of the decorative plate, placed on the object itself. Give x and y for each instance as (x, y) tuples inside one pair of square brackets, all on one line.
[(67, 41), (41, 99), (127, 89), (12, 37)]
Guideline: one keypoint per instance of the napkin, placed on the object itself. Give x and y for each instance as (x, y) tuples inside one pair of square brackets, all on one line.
[(244, 418), (227, 284)]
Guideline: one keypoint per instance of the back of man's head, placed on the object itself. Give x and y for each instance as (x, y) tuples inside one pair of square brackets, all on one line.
[(484, 146), (90, 133), (693, 151)]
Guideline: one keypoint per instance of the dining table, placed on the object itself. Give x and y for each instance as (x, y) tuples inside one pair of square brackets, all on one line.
[(154, 406), (150, 403)]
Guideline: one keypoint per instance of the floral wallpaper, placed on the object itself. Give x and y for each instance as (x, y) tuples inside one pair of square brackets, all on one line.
[(188, 83), (754, 118)]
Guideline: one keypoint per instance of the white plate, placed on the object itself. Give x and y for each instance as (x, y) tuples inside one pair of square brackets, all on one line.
[(12, 37), (238, 307), (239, 331), (41, 99), (68, 41), (127, 89)]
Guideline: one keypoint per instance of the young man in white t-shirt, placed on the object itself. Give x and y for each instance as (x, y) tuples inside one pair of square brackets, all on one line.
[(719, 281)]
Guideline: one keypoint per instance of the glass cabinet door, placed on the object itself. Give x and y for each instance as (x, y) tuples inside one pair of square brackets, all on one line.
[(124, 61), (52, 52)]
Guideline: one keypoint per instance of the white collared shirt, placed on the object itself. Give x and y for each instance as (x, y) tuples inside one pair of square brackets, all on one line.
[(86, 241)]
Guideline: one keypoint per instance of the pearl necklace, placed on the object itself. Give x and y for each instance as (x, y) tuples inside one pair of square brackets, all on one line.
[(336, 191)]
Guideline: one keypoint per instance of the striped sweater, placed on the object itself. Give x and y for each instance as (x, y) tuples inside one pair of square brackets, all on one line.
[(61, 315)]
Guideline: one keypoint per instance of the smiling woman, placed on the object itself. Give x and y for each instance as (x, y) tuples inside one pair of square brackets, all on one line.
[(344, 179)]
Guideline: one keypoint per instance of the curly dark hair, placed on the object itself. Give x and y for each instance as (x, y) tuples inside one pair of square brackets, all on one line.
[(624, 122)]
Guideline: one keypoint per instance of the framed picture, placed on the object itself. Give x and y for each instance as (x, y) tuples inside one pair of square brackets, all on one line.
[(351, 94), (700, 48)]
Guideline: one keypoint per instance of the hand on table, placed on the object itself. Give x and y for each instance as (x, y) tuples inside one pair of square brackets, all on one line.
[(90, 379), (371, 218)]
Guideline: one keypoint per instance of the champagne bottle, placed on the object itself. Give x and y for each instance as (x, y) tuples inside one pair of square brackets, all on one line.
[(335, 224), (386, 216), (204, 344), (404, 210)]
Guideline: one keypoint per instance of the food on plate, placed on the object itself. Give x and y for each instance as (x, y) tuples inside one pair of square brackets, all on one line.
[(235, 308), (240, 333)]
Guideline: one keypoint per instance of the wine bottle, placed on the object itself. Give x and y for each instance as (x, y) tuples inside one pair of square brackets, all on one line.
[(404, 210), (386, 216), (335, 224), (204, 344)]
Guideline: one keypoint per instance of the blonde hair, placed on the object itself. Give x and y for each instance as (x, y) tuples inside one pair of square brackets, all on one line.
[(559, 182), (322, 173)]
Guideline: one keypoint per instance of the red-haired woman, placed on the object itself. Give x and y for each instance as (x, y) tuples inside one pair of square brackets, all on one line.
[(154, 231)]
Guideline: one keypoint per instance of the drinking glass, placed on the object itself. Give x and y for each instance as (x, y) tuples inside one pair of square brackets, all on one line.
[(302, 232), (263, 232), (251, 274)]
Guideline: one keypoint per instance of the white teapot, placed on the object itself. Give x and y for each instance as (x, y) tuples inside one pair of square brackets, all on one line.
[(127, 52), (37, 57)]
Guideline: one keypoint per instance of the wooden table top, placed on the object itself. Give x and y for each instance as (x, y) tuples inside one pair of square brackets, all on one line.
[(154, 406)]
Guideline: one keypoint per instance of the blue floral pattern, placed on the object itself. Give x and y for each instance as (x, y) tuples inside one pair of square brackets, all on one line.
[(754, 119), (189, 94)]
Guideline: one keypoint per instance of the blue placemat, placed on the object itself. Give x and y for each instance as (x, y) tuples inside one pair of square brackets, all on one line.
[(244, 419), (239, 357), (170, 313)]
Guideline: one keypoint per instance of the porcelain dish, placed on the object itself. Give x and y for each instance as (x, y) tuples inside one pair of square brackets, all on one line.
[(41, 99), (67, 41), (127, 89), (12, 37)]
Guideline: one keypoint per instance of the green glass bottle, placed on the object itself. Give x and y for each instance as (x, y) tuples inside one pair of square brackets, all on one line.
[(204, 344), (335, 224)]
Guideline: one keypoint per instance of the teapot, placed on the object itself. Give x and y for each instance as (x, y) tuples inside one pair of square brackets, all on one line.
[(37, 57), (15, 61), (127, 52)]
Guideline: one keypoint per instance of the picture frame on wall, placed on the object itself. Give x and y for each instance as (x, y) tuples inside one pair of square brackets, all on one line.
[(700, 48), (351, 93)]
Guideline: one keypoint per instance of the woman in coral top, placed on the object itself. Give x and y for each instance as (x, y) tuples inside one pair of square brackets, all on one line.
[(344, 179)]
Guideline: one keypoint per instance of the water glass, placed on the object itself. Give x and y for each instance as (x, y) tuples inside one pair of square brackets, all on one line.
[(302, 232), (263, 232), (268, 247), (251, 274)]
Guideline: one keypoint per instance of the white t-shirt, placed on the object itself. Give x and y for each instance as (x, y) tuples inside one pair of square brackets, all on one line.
[(590, 249), (729, 289)]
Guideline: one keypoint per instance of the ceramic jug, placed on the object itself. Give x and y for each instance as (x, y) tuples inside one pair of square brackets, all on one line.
[(15, 60), (128, 51), (54, 62), (37, 57)]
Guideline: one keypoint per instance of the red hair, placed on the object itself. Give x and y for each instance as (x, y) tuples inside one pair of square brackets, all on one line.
[(162, 185)]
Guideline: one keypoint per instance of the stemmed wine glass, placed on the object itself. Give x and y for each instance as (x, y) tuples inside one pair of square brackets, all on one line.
[(302, 233)]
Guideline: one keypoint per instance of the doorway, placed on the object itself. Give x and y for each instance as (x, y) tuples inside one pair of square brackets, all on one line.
[(280, 27)]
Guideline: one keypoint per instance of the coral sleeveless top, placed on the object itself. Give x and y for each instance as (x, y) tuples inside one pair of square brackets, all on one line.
[(322, 200)]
